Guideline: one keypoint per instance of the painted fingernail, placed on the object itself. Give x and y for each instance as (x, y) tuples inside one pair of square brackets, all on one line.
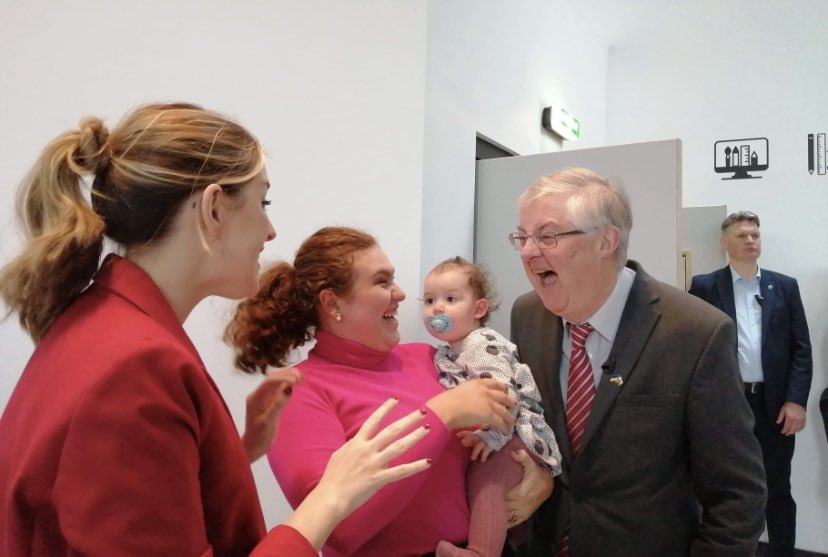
[(289, 391), (426, 426), (423, 411), (395, 397), (428, 460)]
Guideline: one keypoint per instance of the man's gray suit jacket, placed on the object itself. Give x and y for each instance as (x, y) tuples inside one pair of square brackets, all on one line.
[(669, 464)]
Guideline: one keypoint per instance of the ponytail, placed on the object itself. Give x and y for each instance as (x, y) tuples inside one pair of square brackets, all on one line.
[(281, 317), (64, 236), (284, 313)]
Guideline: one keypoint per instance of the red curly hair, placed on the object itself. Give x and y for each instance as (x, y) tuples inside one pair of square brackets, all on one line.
[(284, 313)]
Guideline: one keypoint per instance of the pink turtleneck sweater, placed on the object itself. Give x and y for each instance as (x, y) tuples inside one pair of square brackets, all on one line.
[(343, 383)]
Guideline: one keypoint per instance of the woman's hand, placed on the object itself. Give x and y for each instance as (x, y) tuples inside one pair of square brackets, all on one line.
[(264, 405), (475, 403), (535, 488), (357, 470)]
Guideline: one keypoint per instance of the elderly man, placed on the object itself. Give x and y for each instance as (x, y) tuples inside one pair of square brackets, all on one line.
[(640, 383), (774, 349)]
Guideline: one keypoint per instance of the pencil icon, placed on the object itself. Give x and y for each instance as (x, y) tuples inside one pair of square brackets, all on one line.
[(810, 153)]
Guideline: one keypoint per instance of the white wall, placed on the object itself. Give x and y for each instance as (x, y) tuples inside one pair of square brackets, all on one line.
[(333, 89), (492, 67), (736, 70)]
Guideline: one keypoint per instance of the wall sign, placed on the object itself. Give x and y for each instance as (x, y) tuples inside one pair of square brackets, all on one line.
[(738, 157), (816, 153)]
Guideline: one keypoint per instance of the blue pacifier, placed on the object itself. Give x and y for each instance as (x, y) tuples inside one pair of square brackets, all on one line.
[(440, 323)]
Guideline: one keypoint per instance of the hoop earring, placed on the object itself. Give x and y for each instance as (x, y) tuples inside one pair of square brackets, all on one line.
[(338, 317)]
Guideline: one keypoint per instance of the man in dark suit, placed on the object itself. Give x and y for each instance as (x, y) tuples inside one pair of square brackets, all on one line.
[(823, 409), (635, 376), (774, 350)]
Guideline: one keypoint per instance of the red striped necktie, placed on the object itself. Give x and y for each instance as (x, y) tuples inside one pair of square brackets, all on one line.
[(580, 391), (580, 387)]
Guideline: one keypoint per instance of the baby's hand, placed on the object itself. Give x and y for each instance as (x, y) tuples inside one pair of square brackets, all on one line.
[(479, 447)]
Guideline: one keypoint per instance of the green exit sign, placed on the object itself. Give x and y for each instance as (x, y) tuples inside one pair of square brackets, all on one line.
[(562, 122)]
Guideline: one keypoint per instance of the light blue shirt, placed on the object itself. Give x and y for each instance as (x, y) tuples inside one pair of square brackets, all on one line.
[(605, 321), (748, 326)]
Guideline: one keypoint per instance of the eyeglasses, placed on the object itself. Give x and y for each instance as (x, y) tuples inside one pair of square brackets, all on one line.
[(543, 240)]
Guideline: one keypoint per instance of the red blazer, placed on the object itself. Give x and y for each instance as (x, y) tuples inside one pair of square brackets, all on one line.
[(116, 441)]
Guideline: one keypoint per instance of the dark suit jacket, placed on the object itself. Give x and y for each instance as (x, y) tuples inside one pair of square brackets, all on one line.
[(669, 465), (823, 409), (786, 343)]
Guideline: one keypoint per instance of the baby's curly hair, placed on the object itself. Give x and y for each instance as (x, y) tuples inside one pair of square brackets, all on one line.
[(479, 280)]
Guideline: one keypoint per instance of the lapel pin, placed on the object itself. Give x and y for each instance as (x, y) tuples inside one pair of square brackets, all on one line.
[(608, 368)]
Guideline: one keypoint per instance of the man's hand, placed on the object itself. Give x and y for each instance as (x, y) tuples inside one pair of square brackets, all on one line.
[(535, 488), (792, 418)]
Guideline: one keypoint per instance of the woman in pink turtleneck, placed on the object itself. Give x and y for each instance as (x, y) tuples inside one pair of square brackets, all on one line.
[(341, 291)]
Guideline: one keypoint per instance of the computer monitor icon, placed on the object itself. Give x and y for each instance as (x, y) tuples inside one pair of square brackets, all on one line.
[(740, 156)]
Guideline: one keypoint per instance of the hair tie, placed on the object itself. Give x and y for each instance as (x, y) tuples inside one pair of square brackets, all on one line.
[(92, 154)]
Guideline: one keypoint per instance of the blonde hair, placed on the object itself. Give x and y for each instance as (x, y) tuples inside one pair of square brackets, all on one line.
[(740, 216), (150, 163), (593, 201)]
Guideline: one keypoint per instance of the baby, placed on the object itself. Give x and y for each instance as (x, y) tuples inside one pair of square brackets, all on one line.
[(456, 304)]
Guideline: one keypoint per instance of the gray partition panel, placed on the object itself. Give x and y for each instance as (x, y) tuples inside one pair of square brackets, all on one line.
[(702, 239)]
